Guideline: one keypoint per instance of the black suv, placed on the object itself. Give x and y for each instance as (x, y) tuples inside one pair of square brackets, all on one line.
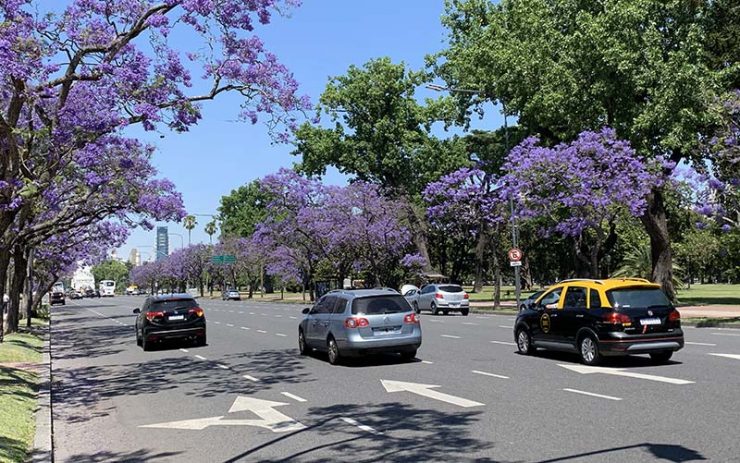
[(171, 316), (597, 318)]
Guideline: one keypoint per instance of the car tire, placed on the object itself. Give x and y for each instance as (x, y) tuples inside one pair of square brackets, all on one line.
[(146, 346), (302, 348), (201, 341), (524, 342), (408, 356), (332, 350), (138, 338), (416, 307), (446, 312), (660, 358), (435, 309), (588, 349), (465, 312)]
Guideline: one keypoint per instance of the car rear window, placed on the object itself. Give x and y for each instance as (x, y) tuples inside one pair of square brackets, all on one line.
[(626, 298), (374, 305), (171, 304), (451, 289)]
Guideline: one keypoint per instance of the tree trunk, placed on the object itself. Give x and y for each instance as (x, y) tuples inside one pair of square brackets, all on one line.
[(481, 247), (4, 266), (497, 282), (656, 225), (16, 288), (418, 229)]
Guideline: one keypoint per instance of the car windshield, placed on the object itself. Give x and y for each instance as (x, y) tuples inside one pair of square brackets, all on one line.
[(637, 298), (374, 305), (451, 289), (172, 304)]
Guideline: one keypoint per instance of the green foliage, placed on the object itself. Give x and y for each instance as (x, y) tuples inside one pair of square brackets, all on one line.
[(112, 270), (637, 263), (722, 39), (243, 209)]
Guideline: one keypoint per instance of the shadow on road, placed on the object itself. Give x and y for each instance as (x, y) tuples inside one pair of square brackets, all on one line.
[(123, 457), (668, 452), (408, 434)]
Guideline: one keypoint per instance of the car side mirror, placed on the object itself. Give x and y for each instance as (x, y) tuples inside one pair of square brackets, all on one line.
[(305, 311), (137, 310)]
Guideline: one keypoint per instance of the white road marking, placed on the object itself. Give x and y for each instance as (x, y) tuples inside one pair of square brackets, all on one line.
[(224, 367), (435, 321), (506, 326), (584, 369), (278, 316), (229, 324), (263, 314), (184, 350), (425, 390), (505, 343), (251, 378), (294, 318), (729, 356), (450, 336), (244, 328), (261, 331), (218, 323), (231, 311), (725, 334), (360, 426), (699, 344), (601, 396), (251, 313), (477, 372), (200, 357), (241, 312), (280, 334), (427, 362), (470, 323), (294, 397)]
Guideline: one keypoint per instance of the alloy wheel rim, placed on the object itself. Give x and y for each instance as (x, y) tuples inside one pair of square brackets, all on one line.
[(587, 349), (332, 350), (301, 342), (523, 341)]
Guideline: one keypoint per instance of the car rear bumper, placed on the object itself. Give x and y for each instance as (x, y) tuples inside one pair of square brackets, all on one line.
[(367, 346), (158, 334), (641, 344), (453, 305)]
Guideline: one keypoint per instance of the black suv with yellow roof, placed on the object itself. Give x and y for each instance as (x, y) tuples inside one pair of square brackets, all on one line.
[(598, 318)]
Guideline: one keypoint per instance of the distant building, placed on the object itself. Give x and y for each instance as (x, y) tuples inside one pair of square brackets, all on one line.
[(83, 278), (163, 243), (134, 257)]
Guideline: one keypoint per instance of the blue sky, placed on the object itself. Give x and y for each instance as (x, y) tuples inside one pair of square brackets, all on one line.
[(321, 38)]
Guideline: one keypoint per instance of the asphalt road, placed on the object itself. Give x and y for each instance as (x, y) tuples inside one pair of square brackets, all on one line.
[(249, 396)]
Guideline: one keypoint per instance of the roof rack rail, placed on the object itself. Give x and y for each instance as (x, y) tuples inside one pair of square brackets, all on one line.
[(642, 280), (600, 282)]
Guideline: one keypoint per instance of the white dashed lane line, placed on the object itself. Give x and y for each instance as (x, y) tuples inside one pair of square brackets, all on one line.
[(229, 324), (506, 326), (281, 334), (591, 394), (200, 357), (251, 378), (262, 331), (294, 318), (725, 334), (294, 397), (244, 327), (493, 375), (729, 356), (184, 350), (505, 343), (699, 344), (360, 426), (223, 367), (450, 336), (427, 362)]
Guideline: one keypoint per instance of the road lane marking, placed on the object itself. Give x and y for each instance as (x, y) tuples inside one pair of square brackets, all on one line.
[(294, 318), (450, 336), (601, 396), (725, 334), (218, 323), (229, 324), (506, 326), (280, 334), (224, 367), (425, 390), (184, 350), (263, 314), (435, 321), (251, 313), (700, 344), (360, 426), (244, 327), (200, 357), (262, 331), (584, 369), (470, 323), (505, 343), (278, 316), (241, 312), (427, 362), (729, 356), (477, 372), (294, 397), (251, 378)]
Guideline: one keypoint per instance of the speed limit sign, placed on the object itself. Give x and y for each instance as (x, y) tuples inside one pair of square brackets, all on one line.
[(515, 255)]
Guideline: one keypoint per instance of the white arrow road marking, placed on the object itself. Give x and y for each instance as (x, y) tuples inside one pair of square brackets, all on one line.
[(489, 374), (425, 390), (584, 369), (269, 418), (729, 356), (592, 394)]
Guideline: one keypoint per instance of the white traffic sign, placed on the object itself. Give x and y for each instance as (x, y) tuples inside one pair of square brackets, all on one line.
[(426, 391), (584, 369), (515, 263), (515, 254), (269, 418)]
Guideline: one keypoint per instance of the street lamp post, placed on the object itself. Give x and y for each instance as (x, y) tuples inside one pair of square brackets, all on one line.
[(514, 226)]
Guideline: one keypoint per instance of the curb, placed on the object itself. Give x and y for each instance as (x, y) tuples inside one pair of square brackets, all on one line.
[(43, 449)]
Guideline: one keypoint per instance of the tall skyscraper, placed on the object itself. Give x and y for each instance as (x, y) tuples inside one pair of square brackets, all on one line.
[(163, 243)]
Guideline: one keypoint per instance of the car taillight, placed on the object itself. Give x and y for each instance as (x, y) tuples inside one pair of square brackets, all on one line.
[(438, 296), (466, 296), (152, 315), (356, 322), (616, 318), (197, 311), (411, 319), (674, 316)]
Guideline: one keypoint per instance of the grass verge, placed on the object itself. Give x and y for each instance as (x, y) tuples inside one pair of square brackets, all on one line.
[(18, 389)]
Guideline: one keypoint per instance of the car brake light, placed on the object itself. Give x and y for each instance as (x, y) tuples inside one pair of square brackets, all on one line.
[(356, 322), (411, 319), (438, 296), (466, 296), (197, 311), (674, 315), (616, 318), (152, 315)]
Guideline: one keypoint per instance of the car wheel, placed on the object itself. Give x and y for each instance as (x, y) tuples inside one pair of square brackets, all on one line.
[(661, 357), (435, 309), (408, 355), (446, 312), (302, 349), (465, 312), (201, 341), (138, 338), (416, 307), (524, 342), (144, 344), (333, 352), (589, 350)]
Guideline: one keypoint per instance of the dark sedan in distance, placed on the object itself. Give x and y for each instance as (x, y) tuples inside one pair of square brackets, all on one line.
[(170, 316)]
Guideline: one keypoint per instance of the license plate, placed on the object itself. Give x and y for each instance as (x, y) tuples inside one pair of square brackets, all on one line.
[(455, 304), (176, 317), (650, 321)]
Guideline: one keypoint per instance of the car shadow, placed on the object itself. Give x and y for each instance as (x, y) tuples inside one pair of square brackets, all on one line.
[(629, 361), (364, 361)]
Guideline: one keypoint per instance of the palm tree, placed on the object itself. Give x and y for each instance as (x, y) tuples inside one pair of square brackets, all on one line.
[(189, 222), (638, 263), (211, 229)]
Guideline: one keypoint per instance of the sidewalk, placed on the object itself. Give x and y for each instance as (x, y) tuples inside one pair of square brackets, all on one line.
[(710, 311)]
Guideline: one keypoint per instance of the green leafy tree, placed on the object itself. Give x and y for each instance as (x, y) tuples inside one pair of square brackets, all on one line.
[(243, 209), (112, 270), (211, 229), (381, 135), (639, 66)]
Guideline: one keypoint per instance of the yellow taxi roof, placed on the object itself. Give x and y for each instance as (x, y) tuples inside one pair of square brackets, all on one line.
[(610, 283)]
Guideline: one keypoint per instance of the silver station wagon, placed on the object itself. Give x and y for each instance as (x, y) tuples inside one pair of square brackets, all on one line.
[(348, 323)]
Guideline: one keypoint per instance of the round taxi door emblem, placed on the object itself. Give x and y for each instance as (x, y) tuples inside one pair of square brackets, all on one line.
[(545, 323)]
